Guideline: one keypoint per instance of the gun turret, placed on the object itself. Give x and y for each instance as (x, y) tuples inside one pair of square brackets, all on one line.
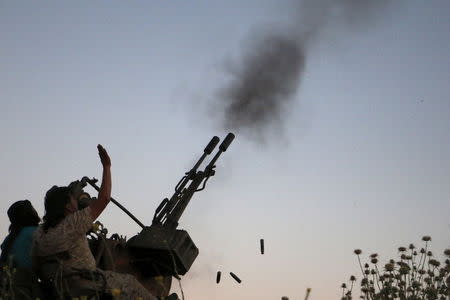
[(162, 249)]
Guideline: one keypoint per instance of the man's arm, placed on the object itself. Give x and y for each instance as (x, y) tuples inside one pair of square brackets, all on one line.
[(104, 194)]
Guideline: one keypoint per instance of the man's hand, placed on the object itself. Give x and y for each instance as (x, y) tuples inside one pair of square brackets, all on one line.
[(104, 157), (104, 193)]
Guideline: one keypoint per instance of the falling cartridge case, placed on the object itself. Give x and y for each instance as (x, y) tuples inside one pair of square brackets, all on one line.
[(218, 276), (308, 291), (235, 277), (261, 244)]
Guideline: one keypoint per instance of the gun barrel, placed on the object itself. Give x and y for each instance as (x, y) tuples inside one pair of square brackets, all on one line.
[(170, 213), (174, 215), (226, 142), (173, 202), (211, 145)]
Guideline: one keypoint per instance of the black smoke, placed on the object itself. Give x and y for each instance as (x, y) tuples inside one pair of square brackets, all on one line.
[(263, 83), (265, 80)]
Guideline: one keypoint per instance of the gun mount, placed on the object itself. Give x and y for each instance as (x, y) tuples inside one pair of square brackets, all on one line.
[(161, 249)]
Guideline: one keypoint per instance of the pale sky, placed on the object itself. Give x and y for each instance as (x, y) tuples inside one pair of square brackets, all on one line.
[(362, 162)]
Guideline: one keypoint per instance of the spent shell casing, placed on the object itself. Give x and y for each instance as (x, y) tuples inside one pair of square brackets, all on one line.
[(308, 291), (261, 244), (218, 276), (235, 277)]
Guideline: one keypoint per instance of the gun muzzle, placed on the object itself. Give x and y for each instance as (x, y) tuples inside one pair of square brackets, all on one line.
[(212, 144), (226, 142)]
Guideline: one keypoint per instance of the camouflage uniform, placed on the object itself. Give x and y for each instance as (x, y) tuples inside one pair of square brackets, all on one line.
[(70, 257)]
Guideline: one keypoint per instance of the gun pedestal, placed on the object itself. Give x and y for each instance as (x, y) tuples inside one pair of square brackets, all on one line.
[(160, 251)]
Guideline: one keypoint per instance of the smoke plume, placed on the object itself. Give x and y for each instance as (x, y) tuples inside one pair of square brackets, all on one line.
[(263, 86), (265, 80)]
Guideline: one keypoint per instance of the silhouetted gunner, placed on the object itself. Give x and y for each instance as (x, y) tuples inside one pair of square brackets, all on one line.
[(16, 248), (61, 251)]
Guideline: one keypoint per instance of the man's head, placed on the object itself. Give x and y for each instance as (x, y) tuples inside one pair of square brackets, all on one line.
[(22, 213), (59, 202), (76, 188), (83, 198)]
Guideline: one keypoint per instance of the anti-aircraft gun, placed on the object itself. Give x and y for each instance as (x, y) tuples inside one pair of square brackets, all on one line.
[(161, 249)]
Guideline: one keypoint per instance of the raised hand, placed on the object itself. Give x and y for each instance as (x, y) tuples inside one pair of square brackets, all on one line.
[(104, 193), (104, 157)]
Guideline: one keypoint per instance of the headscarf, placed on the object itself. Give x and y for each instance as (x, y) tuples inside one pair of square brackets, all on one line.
[(21, 214)]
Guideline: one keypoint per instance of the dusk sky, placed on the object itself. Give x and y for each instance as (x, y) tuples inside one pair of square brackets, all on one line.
[(357, 157)]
